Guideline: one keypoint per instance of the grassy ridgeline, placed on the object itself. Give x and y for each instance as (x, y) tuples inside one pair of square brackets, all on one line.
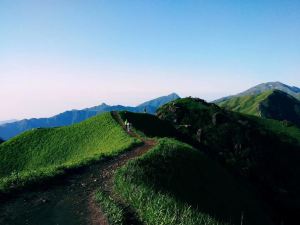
[(263, 151), (246, 104), (176, 184), (270, 104), (46, 152)]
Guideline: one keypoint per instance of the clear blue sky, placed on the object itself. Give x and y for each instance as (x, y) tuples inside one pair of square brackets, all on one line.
[(62, 54)]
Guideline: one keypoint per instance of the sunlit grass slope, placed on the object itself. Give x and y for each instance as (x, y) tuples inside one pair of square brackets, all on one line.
[(176, 184), (46, 152), (246, 104), (274, 104)]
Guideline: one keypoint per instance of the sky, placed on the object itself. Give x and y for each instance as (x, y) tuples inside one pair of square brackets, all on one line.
[(57, 55)]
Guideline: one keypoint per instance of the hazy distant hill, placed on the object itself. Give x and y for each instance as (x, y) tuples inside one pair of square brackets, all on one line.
[(258, 89), (269, 104), (7, 121), (74, 116)]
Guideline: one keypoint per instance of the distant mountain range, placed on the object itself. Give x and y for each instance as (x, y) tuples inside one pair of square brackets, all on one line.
[(9, 130), (7, 121), (258, 89)]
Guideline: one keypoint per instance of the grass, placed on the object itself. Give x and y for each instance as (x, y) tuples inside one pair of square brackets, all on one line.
[(250, 105), (265, 152), (246, 104), (42, 153), (176, 184), (113, 211), (280, 128), (274, 104), (149, 125)]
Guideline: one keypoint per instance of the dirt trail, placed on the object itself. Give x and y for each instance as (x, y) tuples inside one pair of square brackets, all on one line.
[(71, 200)]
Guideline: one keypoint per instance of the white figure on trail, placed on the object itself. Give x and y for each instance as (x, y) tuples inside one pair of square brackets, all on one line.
[(127, 125)]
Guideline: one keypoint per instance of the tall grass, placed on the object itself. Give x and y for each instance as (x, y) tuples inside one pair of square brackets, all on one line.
[(176, 184), (113, 212)]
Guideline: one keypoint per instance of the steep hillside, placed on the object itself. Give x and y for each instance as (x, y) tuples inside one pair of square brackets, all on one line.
[(10, 130), (270, 86), (45, 152), (270, 104), (265, 152), (177, 184), (246, 104)]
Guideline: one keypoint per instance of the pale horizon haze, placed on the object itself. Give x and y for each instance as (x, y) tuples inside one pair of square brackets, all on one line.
[(62, 55)]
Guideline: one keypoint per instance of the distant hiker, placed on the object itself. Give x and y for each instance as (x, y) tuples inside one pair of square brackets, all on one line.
[(127, 125), (145, 110)]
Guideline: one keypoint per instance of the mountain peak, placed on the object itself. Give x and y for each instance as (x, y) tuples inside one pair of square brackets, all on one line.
[(157, 102), (275, 85), (263, 87), (175, 95)]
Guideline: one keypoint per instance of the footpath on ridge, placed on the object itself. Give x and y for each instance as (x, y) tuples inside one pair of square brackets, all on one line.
[(71, 200)]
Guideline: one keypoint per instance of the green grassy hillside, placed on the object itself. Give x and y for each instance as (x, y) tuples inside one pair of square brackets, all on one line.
[(246, 104), (271, 104), (285, 131), (263, 151), (45, 152), (177, 184)]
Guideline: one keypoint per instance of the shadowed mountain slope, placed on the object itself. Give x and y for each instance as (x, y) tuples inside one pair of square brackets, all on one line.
[(183, 186), (265, 152)]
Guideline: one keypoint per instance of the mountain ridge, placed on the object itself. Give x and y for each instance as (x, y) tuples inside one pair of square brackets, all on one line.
[(260, 88), (265, 152), (7, 121), (274, 104), (69, 117)]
